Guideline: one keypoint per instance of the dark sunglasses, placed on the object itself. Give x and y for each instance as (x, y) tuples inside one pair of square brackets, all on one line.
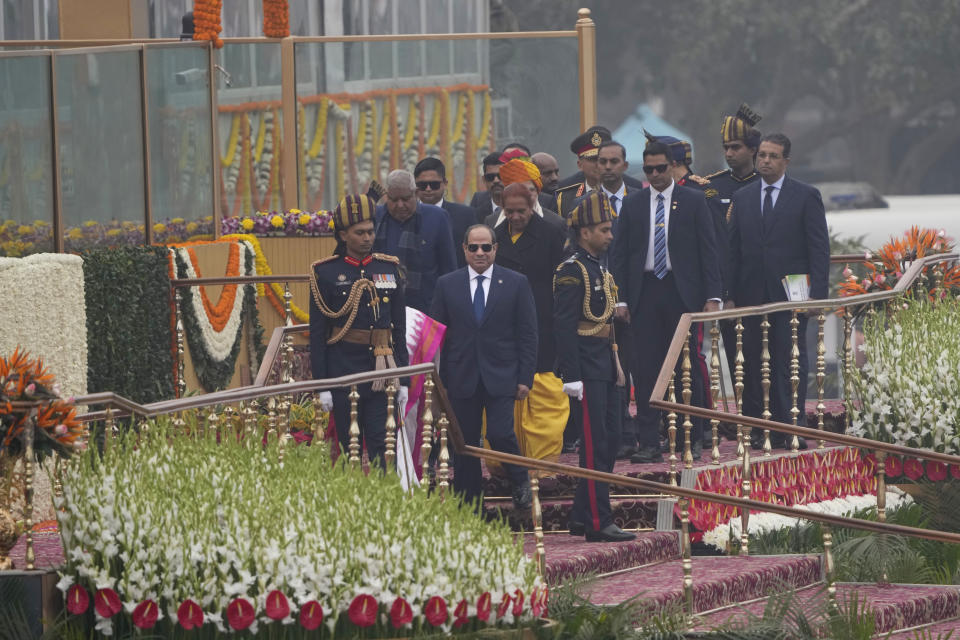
[(486, 246), (655, 168), (490, 177), (433, 185)]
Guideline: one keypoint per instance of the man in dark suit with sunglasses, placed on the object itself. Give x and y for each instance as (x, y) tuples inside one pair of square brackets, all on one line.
[(489, 355), (431, 179), (665, 263)]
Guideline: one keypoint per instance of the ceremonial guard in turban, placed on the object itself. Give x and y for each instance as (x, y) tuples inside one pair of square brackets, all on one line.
[(357, 322), (585, 297)]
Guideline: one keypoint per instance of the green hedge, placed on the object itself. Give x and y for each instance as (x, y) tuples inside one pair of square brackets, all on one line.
[(128, 322)]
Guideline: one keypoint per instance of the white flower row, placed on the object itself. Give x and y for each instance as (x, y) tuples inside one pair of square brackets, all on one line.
[(44, 312), (758, 523)]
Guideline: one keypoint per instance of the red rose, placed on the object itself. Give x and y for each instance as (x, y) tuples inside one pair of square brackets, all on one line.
[(460, 615), (363, 610), (107, 603), (240, 614), (504, 606), (77, 600), (401, 613), (190, 615), (277, 607), (913, 469), (311, 615), (483, 606), (145, 615), (955, 471), (936, 471), (517, 602), (894, 467), (436, 611)]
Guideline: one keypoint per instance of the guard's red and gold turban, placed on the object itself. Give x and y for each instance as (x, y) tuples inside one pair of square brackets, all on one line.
[(520, 171)]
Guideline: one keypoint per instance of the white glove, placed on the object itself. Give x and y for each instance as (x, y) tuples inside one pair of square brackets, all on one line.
[(402, 395), (573, 389), (326, 401)]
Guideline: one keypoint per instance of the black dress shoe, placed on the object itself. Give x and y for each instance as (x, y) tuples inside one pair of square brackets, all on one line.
[(610, 533), (625, 451), (522, 496), (696, 450), (646, 456), (576, 528), (802, 443)]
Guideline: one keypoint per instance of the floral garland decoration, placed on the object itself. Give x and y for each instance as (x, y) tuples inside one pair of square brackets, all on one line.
[(275, 293), (341, 113), (276, 18), (214, 352), (206, 21), (316, 155)]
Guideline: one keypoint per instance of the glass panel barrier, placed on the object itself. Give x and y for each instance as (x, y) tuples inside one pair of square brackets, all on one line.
[(26, 163), (181, 170), (100, 124)]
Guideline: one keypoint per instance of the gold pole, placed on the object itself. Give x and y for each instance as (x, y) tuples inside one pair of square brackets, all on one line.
[(108, 429), (821, 371), (686, 562), (427, 433), (686, 392), (354, 449), (936, 282), (443, 459), (746, 487), (828, 568), (289, 149), (847, 360), (881, 486), (216, 171), (765, 380), (794, 375), (715, 389), (28, 463), (390, 453), (587, 55), (672, 428), (540, 553), (317, 412), (272, 417), (255, 419), (213, 422), (738, 389), (181, 380)]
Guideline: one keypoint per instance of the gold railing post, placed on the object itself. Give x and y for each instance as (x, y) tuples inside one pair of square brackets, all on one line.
[(272, 417), (540, 553), (821, 371), (715, 389), (672, 428), (289, 148), (828, 568), (765, 379), (390, 451), (213, 422), (181, 381), (317, 426), (847, 359), (108, 428), (28, 463), (794, 375), (936, 281), (427, 433), (746, 486), (686, 392), (443, 458), (249, 422), (686, 561), (881, 472), (354, 448), (738, 389), (587, 56)]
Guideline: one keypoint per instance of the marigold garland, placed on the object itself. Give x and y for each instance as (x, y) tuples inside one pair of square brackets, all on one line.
[(219, 313), (227, 160), (276, 18), (206, 21), (275, 293)]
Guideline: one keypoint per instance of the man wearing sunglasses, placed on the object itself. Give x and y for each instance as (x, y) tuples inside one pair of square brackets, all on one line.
[(489, 356), (665, 264), (431, 177)]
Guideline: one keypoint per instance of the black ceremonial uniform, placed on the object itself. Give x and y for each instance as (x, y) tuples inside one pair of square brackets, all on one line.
[(567, 197), (357, 323), (585, 353)]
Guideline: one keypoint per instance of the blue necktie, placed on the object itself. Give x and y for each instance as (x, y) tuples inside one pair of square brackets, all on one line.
[(767, 201), (660, 241), (615, 204), (478, 302)]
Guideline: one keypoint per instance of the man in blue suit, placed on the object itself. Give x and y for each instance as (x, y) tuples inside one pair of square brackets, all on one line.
[(665, 263), (778, 227), (416, 233), (489, 355)]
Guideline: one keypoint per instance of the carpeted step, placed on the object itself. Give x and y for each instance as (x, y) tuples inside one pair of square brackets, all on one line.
[(933, 632), (628, 513), (572, 557), (896, 606), (717, 581)]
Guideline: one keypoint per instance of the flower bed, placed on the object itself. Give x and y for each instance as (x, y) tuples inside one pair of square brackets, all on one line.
[(292, 223), (176, 533)]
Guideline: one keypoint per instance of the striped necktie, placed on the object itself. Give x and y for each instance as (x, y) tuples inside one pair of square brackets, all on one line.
[(660, 241)]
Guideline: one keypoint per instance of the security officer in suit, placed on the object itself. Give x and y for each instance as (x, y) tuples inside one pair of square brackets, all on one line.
[(585, 298), (357, 322), (586, 146), (682, 155)]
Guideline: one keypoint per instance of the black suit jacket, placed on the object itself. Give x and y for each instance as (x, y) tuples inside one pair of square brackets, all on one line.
[(461, 218), (578, 177), (691, 245), (792, 239), (551, 218), (500, 351), (481, 202), (536, 255)]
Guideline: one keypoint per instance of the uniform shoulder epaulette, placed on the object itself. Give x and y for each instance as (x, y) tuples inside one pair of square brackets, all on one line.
[(717, 174), (698, 179), (385, 257), (322, 260)]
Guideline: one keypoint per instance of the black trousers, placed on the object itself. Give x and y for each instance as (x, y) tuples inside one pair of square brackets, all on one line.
[(598, 415), (467, 476), (653, 329), (371, 415), (781, 391), (627, 356)]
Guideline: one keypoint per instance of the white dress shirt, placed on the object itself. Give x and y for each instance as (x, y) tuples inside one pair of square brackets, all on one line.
[(620, 195), (667, 198), (488, 275), (776, 190)]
